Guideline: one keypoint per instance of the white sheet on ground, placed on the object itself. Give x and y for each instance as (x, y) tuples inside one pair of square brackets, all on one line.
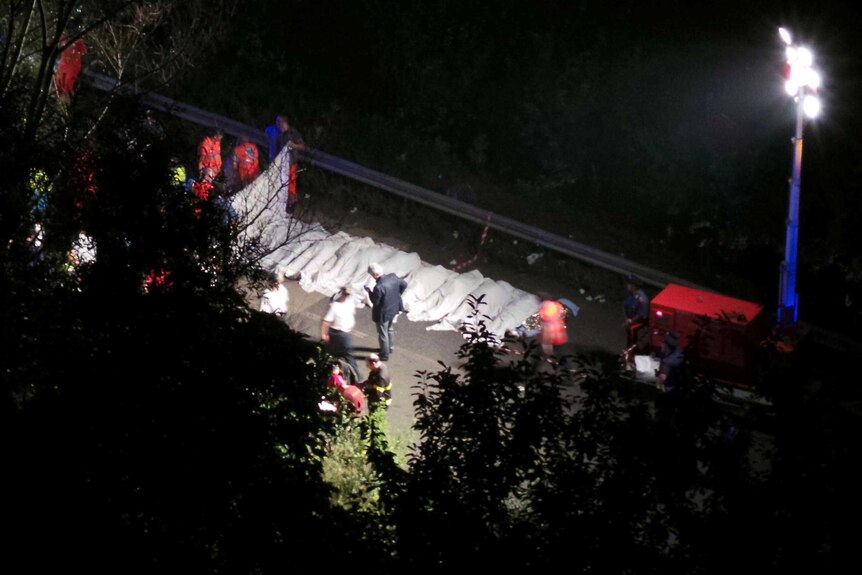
[(451, 294), (421, 283), (521, 306), (491, 293), (327, 262)]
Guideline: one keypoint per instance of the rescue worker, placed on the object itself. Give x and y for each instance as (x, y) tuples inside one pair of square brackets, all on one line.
[(203, 188), (288, 137), (636, 323), (636, 311), (245, 161), (672, 359), (177, 173), (378, 385), (209, 154), (69, 65), (272, 135), (350, 392), (553, 316)]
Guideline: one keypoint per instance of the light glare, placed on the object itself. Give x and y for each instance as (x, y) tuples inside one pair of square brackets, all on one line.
[(806, 58), (785, 35), (811, 106)]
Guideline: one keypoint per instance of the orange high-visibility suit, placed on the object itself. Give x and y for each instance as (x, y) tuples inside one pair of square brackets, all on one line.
[(552, 314), (209, 155), (69, 65), (246, 162)]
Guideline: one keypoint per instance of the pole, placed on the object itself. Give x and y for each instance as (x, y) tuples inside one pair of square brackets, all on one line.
[(788, 299)]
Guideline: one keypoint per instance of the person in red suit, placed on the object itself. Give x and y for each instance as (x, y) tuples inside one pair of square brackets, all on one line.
[(245, 161), (553, 316), (209, 154), (69, 66), (352, 393)]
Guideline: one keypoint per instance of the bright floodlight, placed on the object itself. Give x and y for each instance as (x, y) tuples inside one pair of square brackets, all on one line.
[(785, 35), (812, 79), (811, 105), (806, 58)]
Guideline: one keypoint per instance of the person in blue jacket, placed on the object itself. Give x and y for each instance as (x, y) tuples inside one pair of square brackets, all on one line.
[(386, 304)]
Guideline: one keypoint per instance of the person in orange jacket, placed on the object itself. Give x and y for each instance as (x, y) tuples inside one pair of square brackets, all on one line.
[(553, 316), (209, 154), (245, 161), (69, 66)]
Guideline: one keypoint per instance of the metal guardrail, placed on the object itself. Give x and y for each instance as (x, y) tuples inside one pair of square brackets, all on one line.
[(401, 188), (498, 222), (432, 199)]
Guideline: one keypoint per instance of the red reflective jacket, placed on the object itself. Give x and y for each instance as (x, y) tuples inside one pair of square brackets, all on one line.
[(209, 155), (355, 396), (202, 190), (552, 314), (69, 66), (246, 161)]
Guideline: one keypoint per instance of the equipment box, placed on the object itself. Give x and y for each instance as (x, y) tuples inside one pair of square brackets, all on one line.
[(725, 331)]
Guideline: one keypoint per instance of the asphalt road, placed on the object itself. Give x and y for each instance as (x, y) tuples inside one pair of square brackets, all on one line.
[(597, 327)]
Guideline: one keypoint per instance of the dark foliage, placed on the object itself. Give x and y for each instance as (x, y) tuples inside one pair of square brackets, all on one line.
[(530, 465), (156, 432), (153, 422)]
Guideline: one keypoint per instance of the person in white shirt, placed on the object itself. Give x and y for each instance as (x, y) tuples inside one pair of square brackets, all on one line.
[(274, 300), (337, 324)]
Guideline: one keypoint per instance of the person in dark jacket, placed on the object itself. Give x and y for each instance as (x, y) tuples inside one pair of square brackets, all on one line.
[(385, 305), (286, 136), (672, 359), (378, 386), (636, 323), (636, 310)]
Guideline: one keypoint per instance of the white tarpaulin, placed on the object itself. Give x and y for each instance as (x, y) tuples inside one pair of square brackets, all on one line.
[(326, 262)]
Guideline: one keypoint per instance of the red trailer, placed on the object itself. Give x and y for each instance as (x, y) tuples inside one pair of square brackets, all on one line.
[(730, 330)]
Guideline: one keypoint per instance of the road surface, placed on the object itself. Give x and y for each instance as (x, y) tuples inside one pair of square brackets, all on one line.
[(596, 328)]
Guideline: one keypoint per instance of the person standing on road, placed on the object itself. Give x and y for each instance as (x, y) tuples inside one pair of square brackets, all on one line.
[(553, 317), (378, 385), (672, 360), (209, 155), (272, 135), (386, 305), (245, 162), (275, 299), (636, 310), (336, 327), (288, 139)]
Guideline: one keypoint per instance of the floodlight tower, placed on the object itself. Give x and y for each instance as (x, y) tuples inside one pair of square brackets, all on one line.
[(801, 82)]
